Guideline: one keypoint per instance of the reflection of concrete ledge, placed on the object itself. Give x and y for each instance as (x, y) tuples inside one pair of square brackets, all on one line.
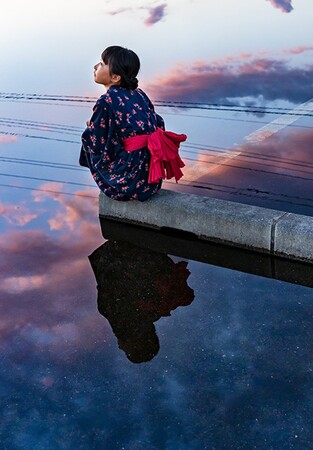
[(231, 223)]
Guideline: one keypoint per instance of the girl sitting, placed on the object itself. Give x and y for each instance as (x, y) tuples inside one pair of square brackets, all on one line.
[(125, 145)]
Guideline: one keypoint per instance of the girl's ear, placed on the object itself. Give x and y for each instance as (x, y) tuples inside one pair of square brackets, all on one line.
[(116, 78)]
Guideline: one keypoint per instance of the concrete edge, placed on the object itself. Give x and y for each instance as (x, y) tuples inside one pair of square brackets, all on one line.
[(245, 226)]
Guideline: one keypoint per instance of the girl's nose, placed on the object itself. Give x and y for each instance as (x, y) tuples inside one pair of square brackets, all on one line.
[(95, 66)]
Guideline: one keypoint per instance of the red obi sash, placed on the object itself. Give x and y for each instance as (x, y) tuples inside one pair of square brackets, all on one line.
[(163, 146)]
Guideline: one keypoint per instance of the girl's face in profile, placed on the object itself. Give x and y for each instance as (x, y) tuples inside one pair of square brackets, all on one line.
[(102, 73), (103, 76)]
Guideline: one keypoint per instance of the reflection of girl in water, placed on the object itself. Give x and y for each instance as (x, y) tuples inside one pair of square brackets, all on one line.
[(135, 288), (125, 145)]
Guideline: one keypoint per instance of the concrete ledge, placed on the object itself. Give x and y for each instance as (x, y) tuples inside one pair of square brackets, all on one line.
[(294, 236), (216, 254), (230, 223)]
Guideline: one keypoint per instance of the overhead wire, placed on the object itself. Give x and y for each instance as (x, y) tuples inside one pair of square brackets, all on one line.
[(231, 119), (237, 192), (50, 191), (200, 185), (58, 128), (188, 183), (223, 150), (32, 162), (168, 103), (186, 158)]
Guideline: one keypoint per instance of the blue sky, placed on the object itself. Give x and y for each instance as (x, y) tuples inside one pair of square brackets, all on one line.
[(52, 47)]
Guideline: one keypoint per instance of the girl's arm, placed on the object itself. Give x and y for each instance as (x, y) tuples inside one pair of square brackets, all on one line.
[(160, 122), (99, 137)]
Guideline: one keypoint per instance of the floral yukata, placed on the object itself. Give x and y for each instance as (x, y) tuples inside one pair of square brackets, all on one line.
[(117, 115)]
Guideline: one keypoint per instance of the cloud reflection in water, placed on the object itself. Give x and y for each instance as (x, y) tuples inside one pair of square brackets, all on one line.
[(240, 352), (275, 173)]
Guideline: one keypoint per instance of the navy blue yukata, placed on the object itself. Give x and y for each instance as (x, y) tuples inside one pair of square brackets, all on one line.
[(117, 115)]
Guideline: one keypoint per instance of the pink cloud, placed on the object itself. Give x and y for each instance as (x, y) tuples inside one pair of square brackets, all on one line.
[(22, 250), (7, 139), (155, 14), (252, 176), (220, 81), (22, 283), (284, 5), (298, 50), (16, 214), (73, 212), (40, 273)]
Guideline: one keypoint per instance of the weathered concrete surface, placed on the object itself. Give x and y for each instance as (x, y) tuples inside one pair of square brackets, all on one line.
[(294, 236), (217, 220)]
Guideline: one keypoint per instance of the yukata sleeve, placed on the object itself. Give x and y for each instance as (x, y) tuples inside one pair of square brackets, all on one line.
[(159, 120), (99, 138)]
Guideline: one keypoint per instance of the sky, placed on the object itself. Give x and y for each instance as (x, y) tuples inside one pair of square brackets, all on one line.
[(56, 45), (255, 59)]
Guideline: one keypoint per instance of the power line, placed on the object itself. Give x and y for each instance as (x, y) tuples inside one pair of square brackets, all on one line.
[(218, 149), (38, 128), (80, 98), (8, 159), (46, 180), (168, 182), (49, 124), (251, 169), (246, 195), (200, 185), (186, 158), (46, 190), (192, 146), (239, 158), (231, 119), (44, 103), (165, 103), (38, 137), (189, 145), (228, 105), (40, 163), (95, 197)]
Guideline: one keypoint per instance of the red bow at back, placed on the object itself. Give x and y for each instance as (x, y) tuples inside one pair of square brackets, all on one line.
[(163, 147)]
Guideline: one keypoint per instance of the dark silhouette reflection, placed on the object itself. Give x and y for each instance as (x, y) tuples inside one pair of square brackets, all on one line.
[(136, 287)]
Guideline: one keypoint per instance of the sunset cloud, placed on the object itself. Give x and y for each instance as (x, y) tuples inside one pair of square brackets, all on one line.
[(21, 284), (284, 5), (7, 139), (298, 50), (36, 265), (16, 214), (273, 173), (234, 77), (72, 212), (155, 14)]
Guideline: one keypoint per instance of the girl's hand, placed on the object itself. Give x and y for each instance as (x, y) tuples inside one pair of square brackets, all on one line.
[(88, 123)]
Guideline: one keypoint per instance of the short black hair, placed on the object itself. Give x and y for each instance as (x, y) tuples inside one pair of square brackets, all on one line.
[(122, 62)]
